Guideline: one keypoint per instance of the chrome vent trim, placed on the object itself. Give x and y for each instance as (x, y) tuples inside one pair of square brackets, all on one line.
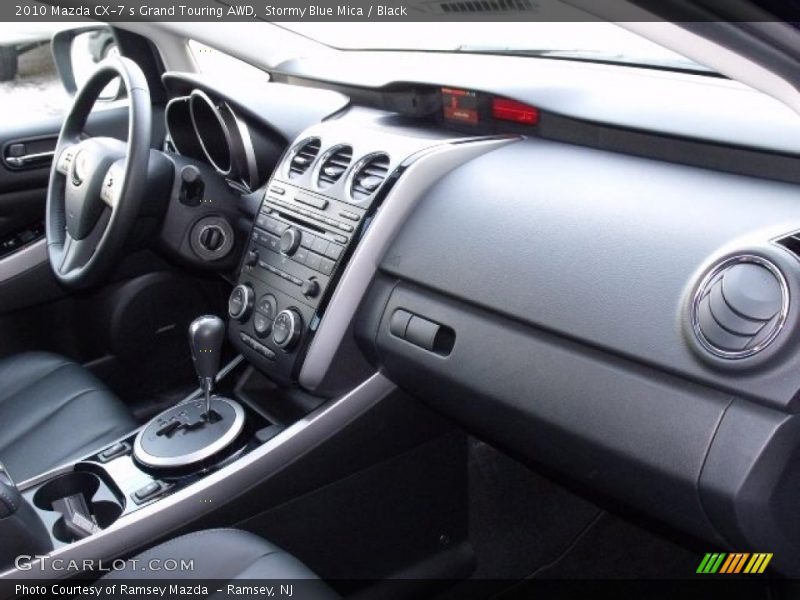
[(720, 325), (368, 175), (302, 157), (333, 165)]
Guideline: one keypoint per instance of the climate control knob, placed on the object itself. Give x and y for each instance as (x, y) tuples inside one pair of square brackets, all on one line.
[(286, 328), (290, 241), (240, 302)]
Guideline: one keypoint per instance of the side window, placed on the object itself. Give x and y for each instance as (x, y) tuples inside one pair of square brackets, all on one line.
[(30, 88), (212, 61)]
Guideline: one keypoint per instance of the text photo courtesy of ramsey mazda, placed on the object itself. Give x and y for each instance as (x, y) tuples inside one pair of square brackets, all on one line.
[(424, 299)]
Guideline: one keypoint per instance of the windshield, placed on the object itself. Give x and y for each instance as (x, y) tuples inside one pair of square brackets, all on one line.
[(597, 41)]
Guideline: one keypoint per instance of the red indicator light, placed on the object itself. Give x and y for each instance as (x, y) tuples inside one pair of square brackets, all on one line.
[(511, 110)]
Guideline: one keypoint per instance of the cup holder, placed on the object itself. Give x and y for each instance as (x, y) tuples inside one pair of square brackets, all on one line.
[(103, 504)]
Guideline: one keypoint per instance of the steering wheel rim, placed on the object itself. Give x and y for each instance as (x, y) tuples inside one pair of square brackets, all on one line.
[(97, 184)]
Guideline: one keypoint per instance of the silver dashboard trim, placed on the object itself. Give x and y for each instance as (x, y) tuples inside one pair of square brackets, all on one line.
[(429, 167), (23, 260)]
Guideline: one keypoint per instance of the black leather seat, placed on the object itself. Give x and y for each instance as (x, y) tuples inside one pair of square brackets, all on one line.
[(52, 411), (227, 555)]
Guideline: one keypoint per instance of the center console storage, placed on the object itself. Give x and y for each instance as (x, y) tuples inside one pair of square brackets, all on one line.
[(75, 503)]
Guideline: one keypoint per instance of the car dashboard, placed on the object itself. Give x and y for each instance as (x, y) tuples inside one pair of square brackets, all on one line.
[(613, 304)]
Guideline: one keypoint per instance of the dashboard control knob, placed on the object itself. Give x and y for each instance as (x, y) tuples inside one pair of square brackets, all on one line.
[(290, 240), (251, 260), (286, 328), (310, 288), (240, 302)]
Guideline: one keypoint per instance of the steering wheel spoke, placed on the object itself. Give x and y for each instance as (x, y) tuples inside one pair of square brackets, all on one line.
[(75, 254)]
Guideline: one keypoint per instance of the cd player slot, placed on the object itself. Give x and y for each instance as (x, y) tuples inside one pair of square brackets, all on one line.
[(298, 221)]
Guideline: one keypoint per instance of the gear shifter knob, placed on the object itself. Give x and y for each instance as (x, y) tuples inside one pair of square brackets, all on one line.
[(206, 335)]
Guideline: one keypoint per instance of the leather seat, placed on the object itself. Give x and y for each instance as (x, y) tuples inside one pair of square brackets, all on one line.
[(52, 411), (227, 555)]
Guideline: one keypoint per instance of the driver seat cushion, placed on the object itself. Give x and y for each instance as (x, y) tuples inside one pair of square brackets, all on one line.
[(53, 411)]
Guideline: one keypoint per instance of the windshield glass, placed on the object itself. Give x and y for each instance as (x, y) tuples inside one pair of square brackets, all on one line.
[(605, 42)]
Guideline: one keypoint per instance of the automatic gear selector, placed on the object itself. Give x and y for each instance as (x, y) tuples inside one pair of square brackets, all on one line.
[(196, 432)]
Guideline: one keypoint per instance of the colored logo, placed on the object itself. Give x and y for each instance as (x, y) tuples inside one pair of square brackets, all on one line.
[(736, 562)]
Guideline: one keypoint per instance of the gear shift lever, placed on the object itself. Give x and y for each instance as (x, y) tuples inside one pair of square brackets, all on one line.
[(192, 435), (206, 335)]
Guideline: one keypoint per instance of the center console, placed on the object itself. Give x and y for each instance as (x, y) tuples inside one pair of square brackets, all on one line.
[(176, 448), (311, 216), (314, 213)]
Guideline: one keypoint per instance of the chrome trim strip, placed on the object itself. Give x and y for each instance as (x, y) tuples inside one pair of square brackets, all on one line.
[(395, 210), (249, 150), (203, 97), (23, 260), (700, 293), (193, 457), (140, 528)]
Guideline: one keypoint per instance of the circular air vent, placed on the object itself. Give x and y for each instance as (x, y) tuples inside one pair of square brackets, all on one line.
[(368, 175), (740, 307), (302, 157), (333, 165)]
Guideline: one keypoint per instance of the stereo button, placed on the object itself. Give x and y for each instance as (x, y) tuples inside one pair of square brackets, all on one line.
[(320, 245), (334, 251), (301, 255), (313, 261), (349, 215), (326, 266)]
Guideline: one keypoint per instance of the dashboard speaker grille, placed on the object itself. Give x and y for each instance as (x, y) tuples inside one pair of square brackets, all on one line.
[(334, 166), (740, 307), (303, 157), (369, 176)]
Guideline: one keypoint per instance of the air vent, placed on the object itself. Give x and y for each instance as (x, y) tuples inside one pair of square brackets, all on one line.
[(740, 307), (369, 176), (303, 157), (334, 165)]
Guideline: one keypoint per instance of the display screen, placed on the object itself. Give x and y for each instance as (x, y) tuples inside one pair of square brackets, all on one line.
[(460, 106)]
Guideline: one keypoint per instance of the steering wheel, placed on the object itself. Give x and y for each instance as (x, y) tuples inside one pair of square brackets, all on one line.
[(97, 183)]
